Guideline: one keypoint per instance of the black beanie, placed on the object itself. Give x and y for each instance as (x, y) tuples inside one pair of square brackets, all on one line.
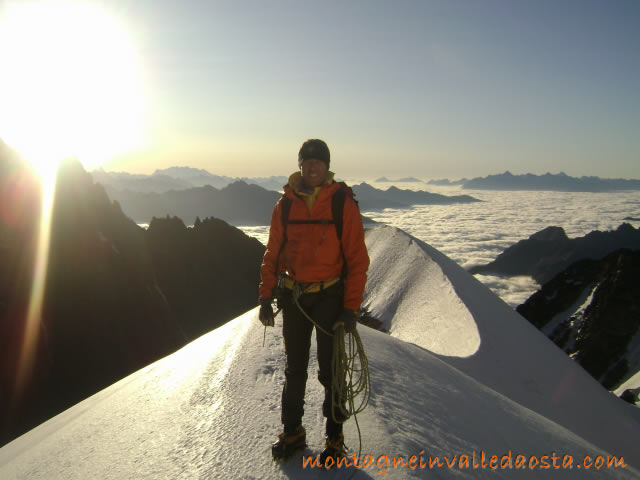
[(314, 148)]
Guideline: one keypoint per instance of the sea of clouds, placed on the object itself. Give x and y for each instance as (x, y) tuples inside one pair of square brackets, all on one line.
[(475, 233)]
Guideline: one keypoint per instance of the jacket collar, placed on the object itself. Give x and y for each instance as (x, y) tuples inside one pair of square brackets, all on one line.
[(296, 184)]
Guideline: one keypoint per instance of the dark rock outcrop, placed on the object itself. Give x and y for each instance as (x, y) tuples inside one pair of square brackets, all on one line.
[(111, 300), (209, 273), (592, 311), (631, 395), (549, 251)]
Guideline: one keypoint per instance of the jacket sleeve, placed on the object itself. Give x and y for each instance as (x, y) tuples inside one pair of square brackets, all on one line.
[(355, 254), (269, 267)]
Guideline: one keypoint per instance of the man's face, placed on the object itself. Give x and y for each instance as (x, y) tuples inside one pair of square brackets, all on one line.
[(314, 172)]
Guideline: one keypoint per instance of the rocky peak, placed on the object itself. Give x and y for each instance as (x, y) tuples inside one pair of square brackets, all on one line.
[(592, 311), (550, 234)]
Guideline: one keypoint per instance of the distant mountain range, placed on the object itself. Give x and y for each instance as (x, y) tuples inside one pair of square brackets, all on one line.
[(178, 178), (591, 310), (393, 197), (183, 178), (547, 252), (238, 203), (560, 182), (243, 204), (447, 182), (399, 180)]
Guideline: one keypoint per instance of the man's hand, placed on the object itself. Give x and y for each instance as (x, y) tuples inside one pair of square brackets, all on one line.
[(348, 319), (266, 312)]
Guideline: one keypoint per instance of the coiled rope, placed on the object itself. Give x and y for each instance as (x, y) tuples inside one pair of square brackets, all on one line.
[(351, 384)]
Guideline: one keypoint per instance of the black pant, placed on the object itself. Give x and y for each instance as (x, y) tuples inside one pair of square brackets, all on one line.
[(324, 308)]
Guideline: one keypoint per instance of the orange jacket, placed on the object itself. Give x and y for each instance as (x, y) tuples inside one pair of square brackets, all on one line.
[(313, 252)]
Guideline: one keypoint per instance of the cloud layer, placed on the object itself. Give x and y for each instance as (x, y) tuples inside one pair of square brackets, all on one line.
[(473, 234)]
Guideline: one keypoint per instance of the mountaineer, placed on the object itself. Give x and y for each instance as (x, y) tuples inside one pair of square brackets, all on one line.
[(314, 264)]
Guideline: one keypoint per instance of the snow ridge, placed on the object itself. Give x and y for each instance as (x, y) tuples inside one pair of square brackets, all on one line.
[(212, 409), (514, 358)]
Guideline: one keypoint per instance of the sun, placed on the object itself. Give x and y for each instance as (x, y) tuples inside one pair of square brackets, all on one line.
[(71, 84)]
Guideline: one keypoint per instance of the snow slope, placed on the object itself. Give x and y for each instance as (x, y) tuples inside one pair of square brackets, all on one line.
[(211, 410), (511, 356)]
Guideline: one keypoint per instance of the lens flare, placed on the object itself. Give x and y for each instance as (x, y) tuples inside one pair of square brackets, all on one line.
[(34, 312), (71, 87)]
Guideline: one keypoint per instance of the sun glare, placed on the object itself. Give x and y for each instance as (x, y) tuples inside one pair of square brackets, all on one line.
[(69, 87), (71, 84)]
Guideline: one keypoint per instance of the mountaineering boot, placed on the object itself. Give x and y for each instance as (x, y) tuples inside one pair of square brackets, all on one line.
[(333, 448), (289, 442)]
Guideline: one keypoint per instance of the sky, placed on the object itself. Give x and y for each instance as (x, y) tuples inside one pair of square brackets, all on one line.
[(212, 409), (431, 88)]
